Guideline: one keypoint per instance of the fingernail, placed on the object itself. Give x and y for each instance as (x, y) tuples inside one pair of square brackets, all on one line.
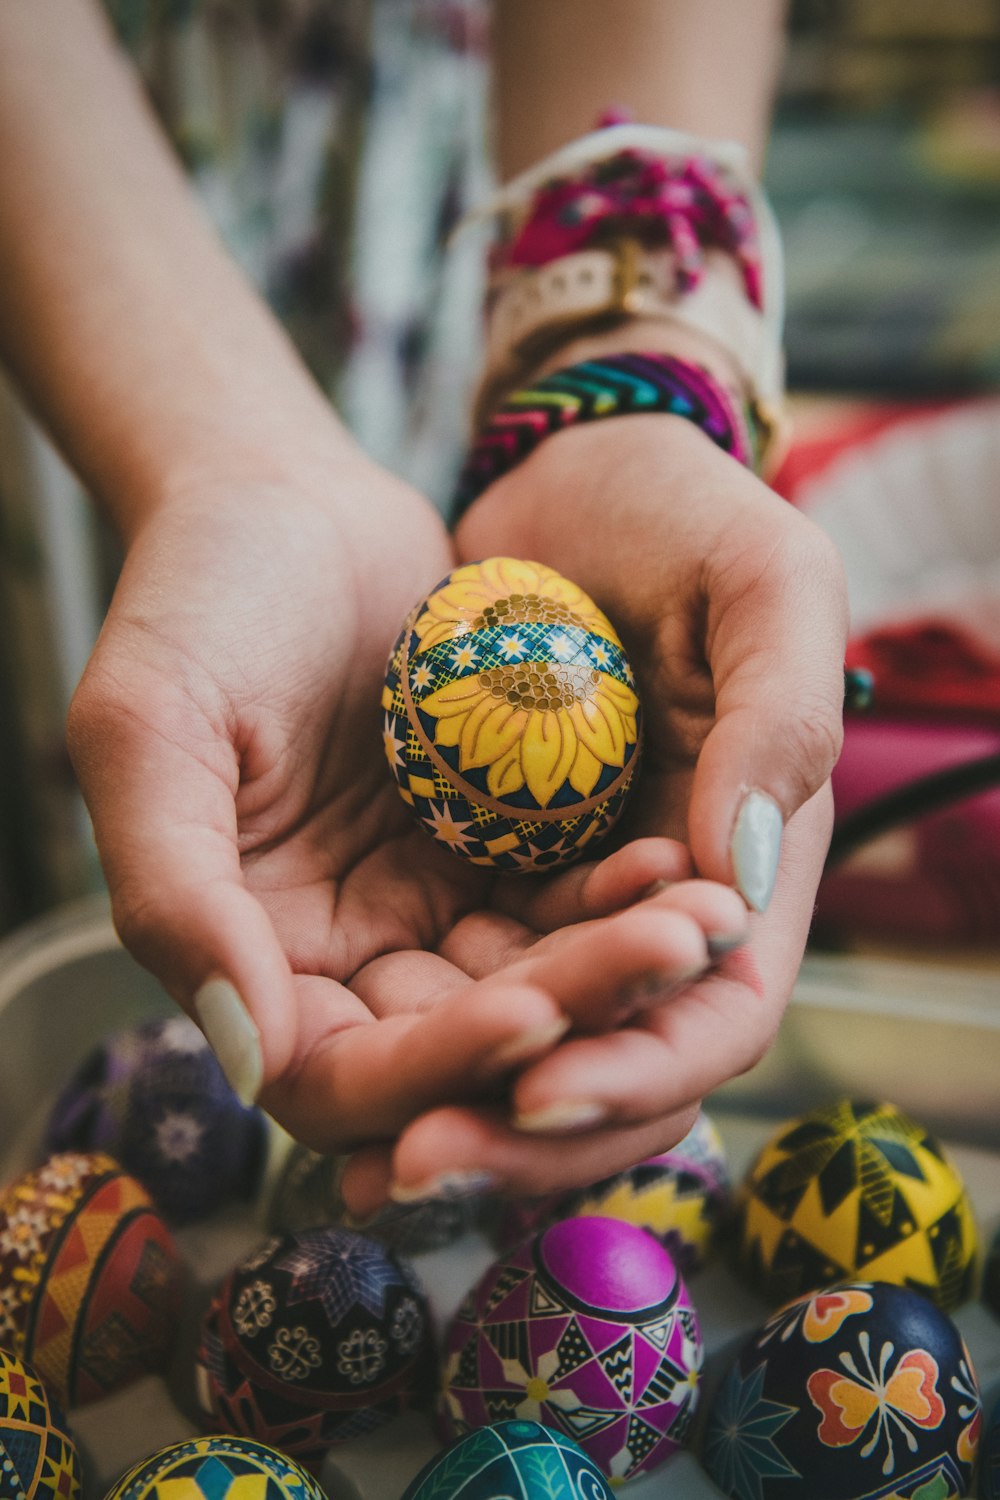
[(562, 1118), (447, 1185), (756, 848), (232, 1036), (653, 889), (719, 944), (655, 987), (530, 1043)]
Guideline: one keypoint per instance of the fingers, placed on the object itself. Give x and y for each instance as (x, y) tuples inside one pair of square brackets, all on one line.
[(160, 788), (601, 972), (716, 1027), (357, 1079), (776, 636), (594, 890), (458, 1152)]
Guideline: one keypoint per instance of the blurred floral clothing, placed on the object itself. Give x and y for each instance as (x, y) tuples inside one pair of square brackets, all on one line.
[(334, 144)]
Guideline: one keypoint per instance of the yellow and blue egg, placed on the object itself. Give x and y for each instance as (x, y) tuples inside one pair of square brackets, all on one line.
[(38, 1459), (216, 1468), (511, 721)]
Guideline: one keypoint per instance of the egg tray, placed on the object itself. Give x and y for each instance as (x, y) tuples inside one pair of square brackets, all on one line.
[(925, 1036)]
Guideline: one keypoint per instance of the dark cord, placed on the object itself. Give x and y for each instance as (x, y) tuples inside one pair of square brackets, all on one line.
[(929, 794)]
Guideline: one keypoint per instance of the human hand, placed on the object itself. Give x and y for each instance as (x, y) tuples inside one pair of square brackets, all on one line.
[(227, 736), (732, 608)]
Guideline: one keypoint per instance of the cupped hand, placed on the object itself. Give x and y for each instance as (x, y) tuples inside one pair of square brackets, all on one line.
[(227, 737), (732, 607)]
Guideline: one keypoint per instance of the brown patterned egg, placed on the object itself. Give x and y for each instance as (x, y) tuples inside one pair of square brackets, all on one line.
[(90, 1278)]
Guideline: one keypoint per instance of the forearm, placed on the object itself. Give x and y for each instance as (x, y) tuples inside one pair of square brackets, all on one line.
[(135, 335), (707, 66)]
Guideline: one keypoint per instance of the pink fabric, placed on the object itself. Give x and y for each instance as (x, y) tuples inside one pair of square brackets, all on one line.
[(684, 203)]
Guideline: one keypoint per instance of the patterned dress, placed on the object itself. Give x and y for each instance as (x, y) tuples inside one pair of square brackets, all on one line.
[(334, 144)]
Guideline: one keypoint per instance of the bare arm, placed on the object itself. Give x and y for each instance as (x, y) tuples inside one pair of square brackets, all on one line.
[(707, 66), (139, 341)]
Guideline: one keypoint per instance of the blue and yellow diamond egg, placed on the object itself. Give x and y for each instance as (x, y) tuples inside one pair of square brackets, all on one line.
[(216, 1468), (38, 1459), (518, 1457), (511, 721)]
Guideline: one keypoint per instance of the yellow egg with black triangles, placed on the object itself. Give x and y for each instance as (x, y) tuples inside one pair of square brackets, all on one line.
[(511, 722), (855, 1189)]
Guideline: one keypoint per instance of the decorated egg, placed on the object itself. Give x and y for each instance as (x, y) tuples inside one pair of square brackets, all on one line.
[(315, 1338), (991, 1277), (307, 1196), (855, 1189), (989, 1473), (156, 1098), (588, 1329), (216, 1468), (38, 1459), (511, 721), (90, 1278), (679, 1196), (863, 1390), (510, 1458)]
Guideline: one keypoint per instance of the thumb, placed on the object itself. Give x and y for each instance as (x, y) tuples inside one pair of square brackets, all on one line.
[(161, 793), (777, 626)]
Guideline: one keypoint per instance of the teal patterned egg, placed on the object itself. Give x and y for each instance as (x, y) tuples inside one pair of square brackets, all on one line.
[(511, 721), (519, 1458)]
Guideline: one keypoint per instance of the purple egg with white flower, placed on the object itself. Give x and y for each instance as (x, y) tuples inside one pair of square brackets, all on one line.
[(156, 1099), (587, 1328)]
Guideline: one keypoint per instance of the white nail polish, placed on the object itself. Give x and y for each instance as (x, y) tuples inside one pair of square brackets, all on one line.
[(448, 1185), (530, 1043), (756, 848), (232, 1036), (562, 1118)]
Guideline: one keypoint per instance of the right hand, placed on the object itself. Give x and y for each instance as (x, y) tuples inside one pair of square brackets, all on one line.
[(227, 737)]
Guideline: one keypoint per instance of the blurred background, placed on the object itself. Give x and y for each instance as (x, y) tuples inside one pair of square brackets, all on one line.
[(884, 170)]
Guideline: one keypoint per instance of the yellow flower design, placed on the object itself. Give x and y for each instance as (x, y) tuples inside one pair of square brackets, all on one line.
[(536, 724), (506, 591)]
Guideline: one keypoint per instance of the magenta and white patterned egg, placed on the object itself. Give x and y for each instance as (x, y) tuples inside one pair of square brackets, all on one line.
[(587, 1328)]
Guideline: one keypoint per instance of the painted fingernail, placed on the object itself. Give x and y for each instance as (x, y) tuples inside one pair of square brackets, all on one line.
[(447, 1185), (232, 1036), (529, 1043), (562, 1118), (655, 987), (719, 944), (756, 848)]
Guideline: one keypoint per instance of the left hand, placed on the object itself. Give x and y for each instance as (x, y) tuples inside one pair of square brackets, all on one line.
[(733, 609)]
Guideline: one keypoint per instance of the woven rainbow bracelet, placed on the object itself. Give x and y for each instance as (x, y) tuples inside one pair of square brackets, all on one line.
[(619, 385)]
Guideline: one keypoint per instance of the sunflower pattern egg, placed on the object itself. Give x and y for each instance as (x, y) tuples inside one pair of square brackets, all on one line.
[(511, 721), (216, 1468), (862, 1391), (855, 1189)]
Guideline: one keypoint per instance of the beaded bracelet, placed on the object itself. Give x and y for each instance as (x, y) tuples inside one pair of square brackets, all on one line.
[(614, 386)]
